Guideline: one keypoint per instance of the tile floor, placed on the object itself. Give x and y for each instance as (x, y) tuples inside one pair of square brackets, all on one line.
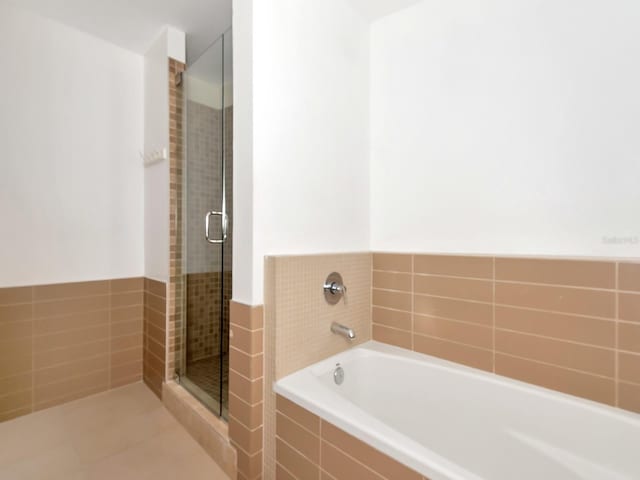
[(121, 434), (206, 374)]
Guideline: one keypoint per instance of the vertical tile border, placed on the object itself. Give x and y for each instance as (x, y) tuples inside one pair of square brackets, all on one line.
[(572, 325), (175, 287), (246, 388), (155, 334)]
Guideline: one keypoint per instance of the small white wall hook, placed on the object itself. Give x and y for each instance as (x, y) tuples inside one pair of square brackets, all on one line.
[(155, 156)]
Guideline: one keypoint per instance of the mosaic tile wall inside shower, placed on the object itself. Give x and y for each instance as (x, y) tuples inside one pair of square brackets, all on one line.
[(203, 312), (204, 261)]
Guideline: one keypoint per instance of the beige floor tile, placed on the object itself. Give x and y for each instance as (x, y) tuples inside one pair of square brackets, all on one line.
[(122, 434)]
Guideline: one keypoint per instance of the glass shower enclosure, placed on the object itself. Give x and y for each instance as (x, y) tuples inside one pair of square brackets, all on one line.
[(207, 227)]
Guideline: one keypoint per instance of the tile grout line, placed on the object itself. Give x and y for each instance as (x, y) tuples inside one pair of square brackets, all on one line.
[(493, 313), (33, 357), (413, 302), (616, 380), (110, 347)]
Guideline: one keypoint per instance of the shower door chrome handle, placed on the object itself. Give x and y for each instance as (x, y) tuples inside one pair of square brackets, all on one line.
[(207, 220)]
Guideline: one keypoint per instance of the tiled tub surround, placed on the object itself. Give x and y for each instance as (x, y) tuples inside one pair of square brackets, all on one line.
[(568, 325), (297, 321), (448, 421), (155, 334), (308, 447), (65, 341)]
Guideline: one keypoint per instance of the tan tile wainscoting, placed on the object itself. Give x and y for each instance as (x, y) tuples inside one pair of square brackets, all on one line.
[(65, 341), (568, 325), (308, 447), (155, 334), (246, 384)]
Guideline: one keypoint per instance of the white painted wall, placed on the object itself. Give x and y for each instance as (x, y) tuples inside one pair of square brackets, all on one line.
[(309, 133), (169, 43), (156, 176), (243, 242), (71, 126), (506, 127)]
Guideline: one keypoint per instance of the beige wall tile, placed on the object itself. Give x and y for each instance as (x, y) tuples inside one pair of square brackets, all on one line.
[(70, 306), (155, 287), (249, 440), (586, 358), (343, 467), (282, 474), (43, 343), (15, 401), (15, 383), (372, 458), (629, 307), (126, 299), (454, 265), (247, 341), (16, 313), (70, 354), (455, 352), (584, 385), (391, 299), (303, 335), (629, 276), (463, 288), (557, 325), (629, 367), (13, 295), (578, 273), (127, 313), (473, 312), (249, 415), (70, 290), (392, 281), (305, 442), (249, 465), (155, 302), (76, 321), (392, 262), (294, 462), (15, 330), (461, 332), (629, 396), (122, 357), (248, 390), (248, 366), (246, 316), (298, 414), (391, 318), (392, 336), (126, 342), (597, 303), (59, 373), (60, 392), (629, 337), (127, 285)]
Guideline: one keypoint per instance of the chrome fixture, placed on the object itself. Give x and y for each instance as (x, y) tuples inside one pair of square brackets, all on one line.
[(225, 223), (346, 332), (338, 374), (334, 289)]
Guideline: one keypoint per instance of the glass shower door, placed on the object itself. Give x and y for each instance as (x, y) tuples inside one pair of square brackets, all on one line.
[(207, 228)]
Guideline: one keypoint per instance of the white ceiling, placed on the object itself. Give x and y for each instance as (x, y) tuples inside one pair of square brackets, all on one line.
[(134, 24)]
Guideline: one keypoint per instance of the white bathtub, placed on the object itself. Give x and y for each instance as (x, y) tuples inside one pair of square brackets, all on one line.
[(448, 421)]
